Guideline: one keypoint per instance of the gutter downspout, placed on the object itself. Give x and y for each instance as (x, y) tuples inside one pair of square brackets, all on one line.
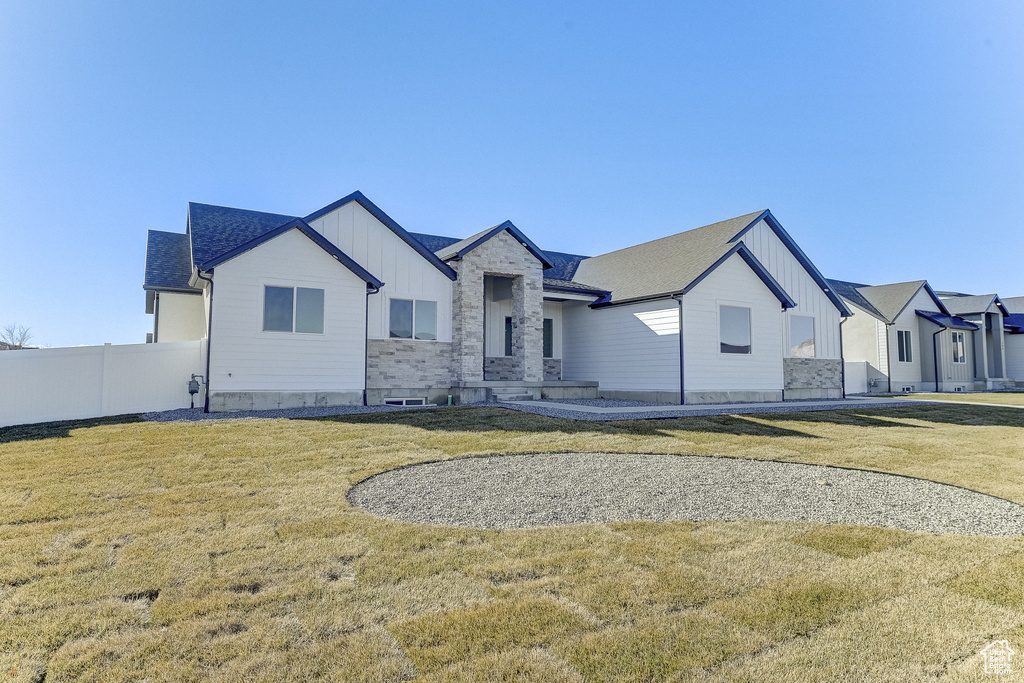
[(935, 353), (682, 373), (209, 341), (888, 357), (156, 317), (842, 359), (370, 289)]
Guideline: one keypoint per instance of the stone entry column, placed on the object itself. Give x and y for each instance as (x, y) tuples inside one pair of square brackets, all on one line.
[(503, 256)]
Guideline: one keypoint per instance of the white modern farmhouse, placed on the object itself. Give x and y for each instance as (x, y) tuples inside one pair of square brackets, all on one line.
[(344, 306)]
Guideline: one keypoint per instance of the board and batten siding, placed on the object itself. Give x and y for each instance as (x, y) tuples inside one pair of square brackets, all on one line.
[(1014, 356), (404, 272), (949, 372), (707, 369), (633, 347), (245, 358), (794, 278)]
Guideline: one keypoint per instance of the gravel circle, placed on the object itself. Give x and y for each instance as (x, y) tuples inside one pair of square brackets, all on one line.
[(524, 491)]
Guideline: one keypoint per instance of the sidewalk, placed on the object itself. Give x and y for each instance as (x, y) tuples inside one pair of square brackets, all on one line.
[(593, 410)]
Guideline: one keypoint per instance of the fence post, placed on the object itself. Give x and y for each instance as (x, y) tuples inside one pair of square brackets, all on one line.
[(106, 387)]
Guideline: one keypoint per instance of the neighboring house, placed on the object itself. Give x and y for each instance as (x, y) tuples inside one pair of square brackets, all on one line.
[(988, 313), (1013, 338), (908, 337), (346, 306)]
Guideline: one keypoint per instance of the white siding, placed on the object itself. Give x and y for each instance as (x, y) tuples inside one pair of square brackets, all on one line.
[(635, 347), (810, 298), (405, 273), (707, 368), (245, 358), (860, 338), (903, 372), (180, 317), (616, 347)]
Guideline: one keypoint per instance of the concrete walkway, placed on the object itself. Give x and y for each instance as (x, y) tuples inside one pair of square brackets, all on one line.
[(598, 410)]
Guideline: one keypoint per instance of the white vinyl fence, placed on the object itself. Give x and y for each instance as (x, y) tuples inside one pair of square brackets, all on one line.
[(42, 385)]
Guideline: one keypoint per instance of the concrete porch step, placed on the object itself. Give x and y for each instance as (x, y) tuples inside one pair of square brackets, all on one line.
[(502, 398)]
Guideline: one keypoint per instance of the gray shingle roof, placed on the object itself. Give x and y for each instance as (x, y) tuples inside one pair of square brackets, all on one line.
[(1014, 304), (662, 266), (217, 230), (883, 301), (168, 264), (969, 305)]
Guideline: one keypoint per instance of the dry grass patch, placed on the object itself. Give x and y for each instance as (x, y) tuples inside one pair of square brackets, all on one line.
[(433, 641), (852, 541), (229, 551)]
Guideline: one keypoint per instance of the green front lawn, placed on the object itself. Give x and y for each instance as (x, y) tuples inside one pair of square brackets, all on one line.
[(228, 551)]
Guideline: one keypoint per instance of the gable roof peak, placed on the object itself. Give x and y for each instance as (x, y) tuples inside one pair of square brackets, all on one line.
[(457, 250)]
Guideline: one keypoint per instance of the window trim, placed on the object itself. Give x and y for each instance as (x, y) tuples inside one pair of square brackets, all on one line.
[(814, 335), (961, 358), (904, 346), (750, 331), (412, 328), (547, 335), (295, 309)]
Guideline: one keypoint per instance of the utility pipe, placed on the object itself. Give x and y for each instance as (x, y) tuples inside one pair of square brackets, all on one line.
[(209, 340), (935, 352), (842, 359), (682, 375)]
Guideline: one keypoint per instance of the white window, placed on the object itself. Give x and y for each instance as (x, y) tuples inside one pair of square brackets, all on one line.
[(903, 341), (734, 329), (959, 348), (409, 316), (293, 309), (801, 336)]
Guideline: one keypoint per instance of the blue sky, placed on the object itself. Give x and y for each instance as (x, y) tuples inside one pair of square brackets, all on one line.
[(888, 138)]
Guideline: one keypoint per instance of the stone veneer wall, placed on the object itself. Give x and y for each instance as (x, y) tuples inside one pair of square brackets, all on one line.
[(499, 368), (501, 255), (552, 369), (407, 363), (812, 377)]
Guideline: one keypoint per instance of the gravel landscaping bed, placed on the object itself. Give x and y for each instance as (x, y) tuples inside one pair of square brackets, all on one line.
[(197, 414), (657, 410), (522, 491)]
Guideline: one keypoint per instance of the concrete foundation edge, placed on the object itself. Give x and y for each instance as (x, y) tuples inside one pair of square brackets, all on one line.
[(233, 401)]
